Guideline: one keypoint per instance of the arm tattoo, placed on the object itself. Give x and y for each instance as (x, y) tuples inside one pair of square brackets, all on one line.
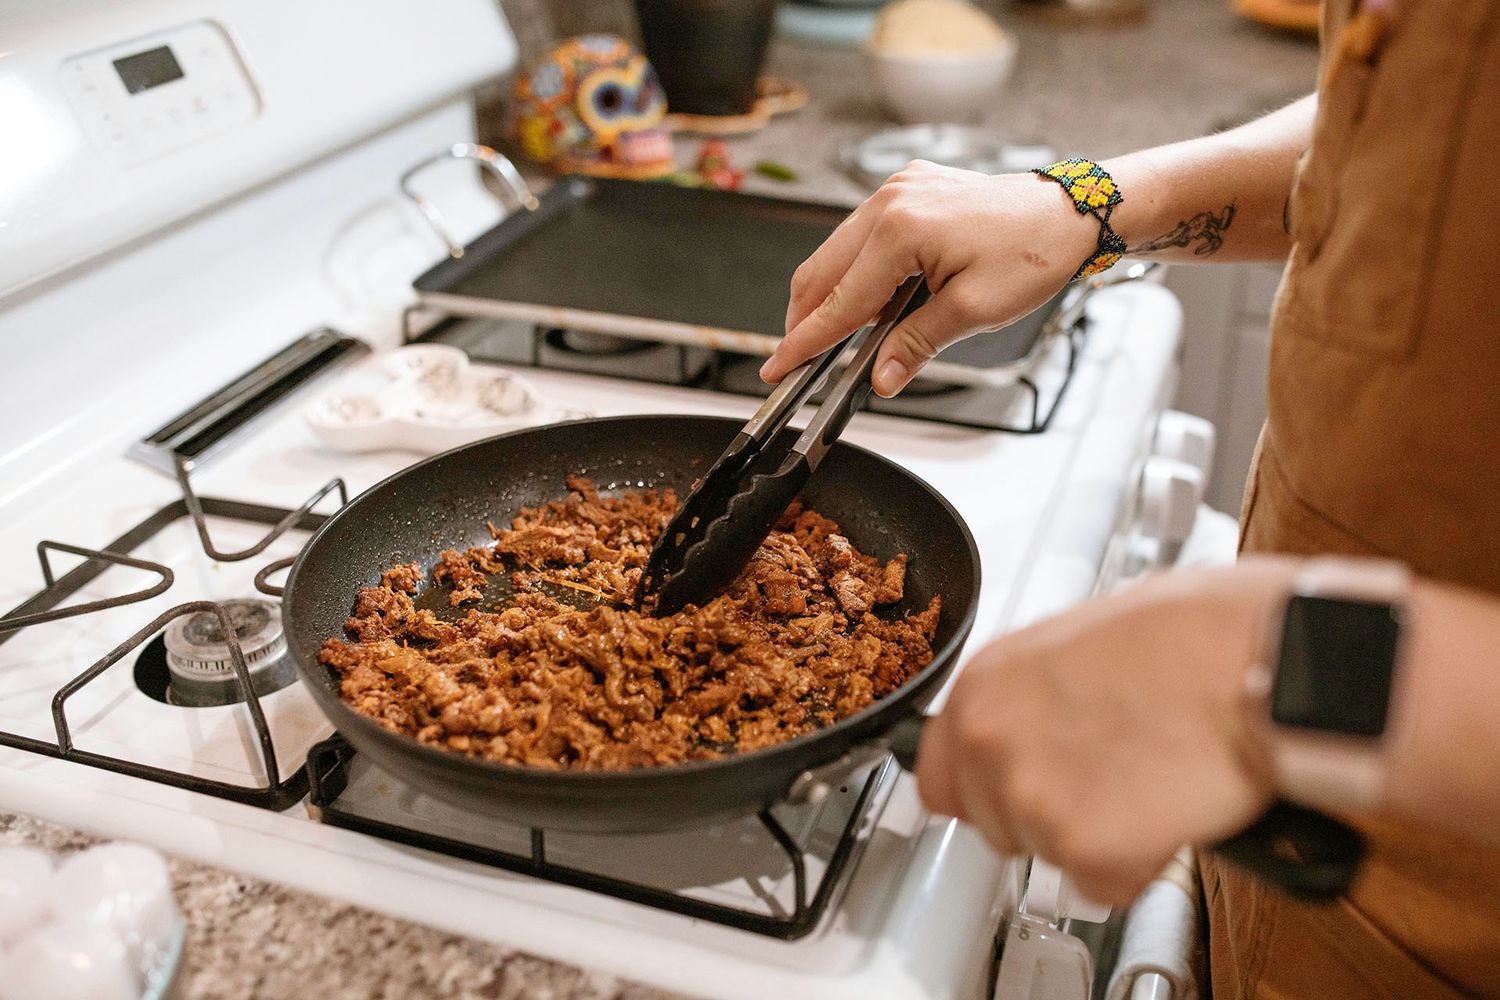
[(1204, 232)]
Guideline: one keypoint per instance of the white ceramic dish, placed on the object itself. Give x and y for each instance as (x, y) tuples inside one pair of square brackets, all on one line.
[(101, 924), (434, 401), (874, 158), (165, 981), (956, 87)]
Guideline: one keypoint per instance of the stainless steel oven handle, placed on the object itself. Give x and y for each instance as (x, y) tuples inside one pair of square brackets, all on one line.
[(499, 167), (1151, 986)]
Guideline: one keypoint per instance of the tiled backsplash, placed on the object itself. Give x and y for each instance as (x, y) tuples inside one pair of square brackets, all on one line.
[(537, 24), (573, 17)]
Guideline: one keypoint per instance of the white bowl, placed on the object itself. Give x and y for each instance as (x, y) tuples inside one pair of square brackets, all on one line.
[(957, 87), (103, 926)]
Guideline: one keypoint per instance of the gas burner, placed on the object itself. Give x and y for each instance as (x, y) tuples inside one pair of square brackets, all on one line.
[(596, 344), (184, 656), (189, 664), (812, 842)]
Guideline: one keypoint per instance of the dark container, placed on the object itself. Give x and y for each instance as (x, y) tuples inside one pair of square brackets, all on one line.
[(708, 53)]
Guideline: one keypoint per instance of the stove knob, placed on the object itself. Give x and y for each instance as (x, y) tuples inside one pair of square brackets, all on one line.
[(1052, 896), (1170, 493), (1141, 555), (1039, 962), (1186, 438)]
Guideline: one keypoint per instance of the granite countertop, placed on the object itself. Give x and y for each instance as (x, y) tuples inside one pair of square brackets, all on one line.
[(1186, 69), (251, 940)]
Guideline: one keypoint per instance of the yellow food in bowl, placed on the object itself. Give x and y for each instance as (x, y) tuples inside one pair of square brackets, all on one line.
[(935, 28)]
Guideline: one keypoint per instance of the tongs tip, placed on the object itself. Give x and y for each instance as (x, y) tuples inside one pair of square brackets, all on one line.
[(728, 515)]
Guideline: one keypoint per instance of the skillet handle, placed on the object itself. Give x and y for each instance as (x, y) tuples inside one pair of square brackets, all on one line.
[(903, 737), (1301, 852)]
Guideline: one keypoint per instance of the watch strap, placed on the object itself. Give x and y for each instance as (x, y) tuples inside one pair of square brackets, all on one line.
[(1327, 771), (1383, 581)]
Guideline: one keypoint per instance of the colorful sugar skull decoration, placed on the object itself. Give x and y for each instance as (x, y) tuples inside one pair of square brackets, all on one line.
[(593, 105)]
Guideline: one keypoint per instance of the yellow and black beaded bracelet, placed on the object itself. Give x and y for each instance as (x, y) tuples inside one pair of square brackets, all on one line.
[(1093, 192)]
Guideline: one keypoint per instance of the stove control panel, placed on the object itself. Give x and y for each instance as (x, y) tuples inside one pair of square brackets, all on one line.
[(142, 98)]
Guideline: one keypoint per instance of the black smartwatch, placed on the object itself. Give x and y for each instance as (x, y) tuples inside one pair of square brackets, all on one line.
[(1330, 680)]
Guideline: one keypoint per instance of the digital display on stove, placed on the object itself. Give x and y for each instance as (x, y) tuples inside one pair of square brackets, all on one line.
[(148, 69)]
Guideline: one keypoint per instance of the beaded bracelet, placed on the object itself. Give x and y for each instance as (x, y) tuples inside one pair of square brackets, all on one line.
[(1093, 192)]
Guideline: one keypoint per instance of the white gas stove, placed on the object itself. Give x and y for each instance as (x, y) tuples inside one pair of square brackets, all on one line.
[(201, 184)]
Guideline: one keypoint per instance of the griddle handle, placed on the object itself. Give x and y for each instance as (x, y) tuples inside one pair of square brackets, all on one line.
[(1303, 853)]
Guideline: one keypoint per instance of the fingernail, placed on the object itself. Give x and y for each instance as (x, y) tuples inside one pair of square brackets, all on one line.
[(890, 378), (765, 370)]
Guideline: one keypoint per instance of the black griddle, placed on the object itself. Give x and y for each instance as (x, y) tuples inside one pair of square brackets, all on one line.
[(624, 251)]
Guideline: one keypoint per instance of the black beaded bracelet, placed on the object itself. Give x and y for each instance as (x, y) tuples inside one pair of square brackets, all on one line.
[(1093, 192)]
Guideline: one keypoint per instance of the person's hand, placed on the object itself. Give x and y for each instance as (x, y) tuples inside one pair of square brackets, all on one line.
[(993, 248), (1106, 738)]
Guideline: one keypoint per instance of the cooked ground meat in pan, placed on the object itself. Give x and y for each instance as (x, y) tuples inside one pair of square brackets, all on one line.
[(590, 682)]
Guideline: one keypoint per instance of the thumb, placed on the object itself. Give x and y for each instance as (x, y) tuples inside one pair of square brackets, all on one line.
[(916, 340)]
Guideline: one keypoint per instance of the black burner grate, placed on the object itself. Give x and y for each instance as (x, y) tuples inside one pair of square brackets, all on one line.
[(328, 766), (1018, 406), (277, 792)]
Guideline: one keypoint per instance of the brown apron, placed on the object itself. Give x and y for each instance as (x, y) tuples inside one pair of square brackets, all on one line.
[(1383, 437)]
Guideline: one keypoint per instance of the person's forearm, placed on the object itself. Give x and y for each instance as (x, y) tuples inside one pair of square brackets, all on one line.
[(1219, 198), (1445, 739), (994, 247)]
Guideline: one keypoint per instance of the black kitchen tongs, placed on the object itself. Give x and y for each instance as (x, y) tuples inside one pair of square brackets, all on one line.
[(732, 508)]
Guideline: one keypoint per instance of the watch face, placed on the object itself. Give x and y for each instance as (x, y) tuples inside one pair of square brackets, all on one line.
[(1337, 660)]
